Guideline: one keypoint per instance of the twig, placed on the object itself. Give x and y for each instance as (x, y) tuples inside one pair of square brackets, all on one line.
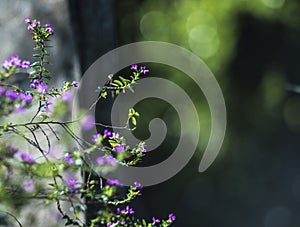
[(13, 216)]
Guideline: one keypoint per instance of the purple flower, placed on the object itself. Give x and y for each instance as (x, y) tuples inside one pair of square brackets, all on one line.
[(26, 98), (134, 67), (30, 27), (155, 220), (95, 137), (106, 160), (67, 96), (27, 20), (143, 149), (129, 210), (11, 95), (88, 122), (107, 133), (138, 185), (115, 135), (144, 70), (71, 184), (15, 60), (126, 210), (34, 83), (28, 186), (114, 183), (25, 64), (33, 24), (75, 84), (49, 29), (27, 158), (42, 88), (2, 90), (118, 210), (7, 64), (119, 148), (172, 217), (68, 158)]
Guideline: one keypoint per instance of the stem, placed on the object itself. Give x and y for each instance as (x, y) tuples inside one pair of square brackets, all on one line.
[(14, 217)]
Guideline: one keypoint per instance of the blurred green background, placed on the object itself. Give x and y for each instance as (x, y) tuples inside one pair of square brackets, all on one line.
[(253, 49)]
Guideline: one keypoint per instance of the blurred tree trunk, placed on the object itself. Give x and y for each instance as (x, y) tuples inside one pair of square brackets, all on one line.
[(93, 24)]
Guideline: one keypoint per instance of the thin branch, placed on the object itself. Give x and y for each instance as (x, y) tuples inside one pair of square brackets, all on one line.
[(13, 216)]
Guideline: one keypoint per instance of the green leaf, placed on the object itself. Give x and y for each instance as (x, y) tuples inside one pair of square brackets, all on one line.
[(133, 120), (35, 64), (104, 94), (118, 83)]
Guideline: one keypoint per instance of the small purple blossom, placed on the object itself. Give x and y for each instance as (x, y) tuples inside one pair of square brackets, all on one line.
[(11, 95), (2, 90), (75, 84), (114, 183), (71, 183), (25, 97), (143, 149), (114, 135), (172, 217), (155, 220), (15, 60), (138, 185), (49, 29), (95, 137), (119, 148), (88, 122), (7, 64), (126, 210), (42, 88), (107, 133), (27, 20), (33, 24), (134, 67), (25, 157), (68, 158), (25, 64), (28, 186), (106, 160), (144, 70), (67, 96)]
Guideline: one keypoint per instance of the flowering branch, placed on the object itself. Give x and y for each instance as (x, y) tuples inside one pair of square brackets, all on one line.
[(25, 176)]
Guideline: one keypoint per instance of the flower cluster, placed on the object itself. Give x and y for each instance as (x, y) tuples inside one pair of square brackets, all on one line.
[(36, 25), (13, 95), (142, 69), (15, 61), (40, 87)]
